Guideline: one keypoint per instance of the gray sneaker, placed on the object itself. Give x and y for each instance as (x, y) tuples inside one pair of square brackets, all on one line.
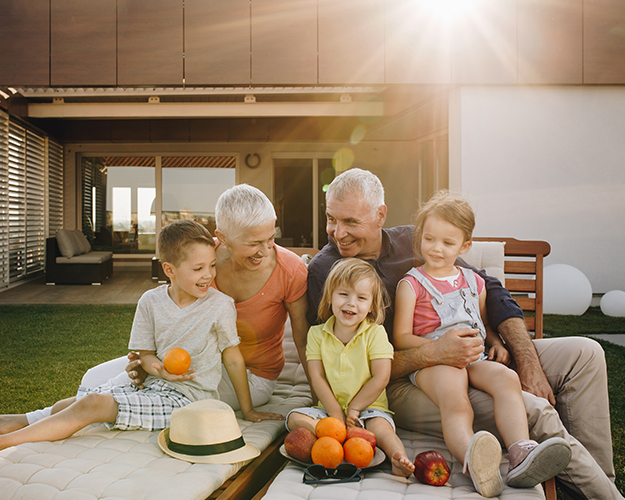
[(532, 463), (482, 461)]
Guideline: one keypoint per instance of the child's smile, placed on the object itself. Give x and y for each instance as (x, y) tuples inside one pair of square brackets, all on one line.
[(351, 305), (441, 244)]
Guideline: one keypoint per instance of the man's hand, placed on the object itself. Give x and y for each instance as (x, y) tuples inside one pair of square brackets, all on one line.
[(135, 371), (458, 347), (531, 374), (534, 381)]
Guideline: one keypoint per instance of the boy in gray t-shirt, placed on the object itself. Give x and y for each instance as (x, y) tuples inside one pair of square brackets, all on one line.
[(188, 314)]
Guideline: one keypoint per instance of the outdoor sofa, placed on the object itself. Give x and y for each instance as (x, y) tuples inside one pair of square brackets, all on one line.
[(97, 463), (71, 261)]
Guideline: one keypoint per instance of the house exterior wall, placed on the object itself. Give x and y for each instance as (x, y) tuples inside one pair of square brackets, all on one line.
[(307, 42), (546, 163)]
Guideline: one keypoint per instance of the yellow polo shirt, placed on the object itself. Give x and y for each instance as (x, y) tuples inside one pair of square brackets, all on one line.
[(348, 367)]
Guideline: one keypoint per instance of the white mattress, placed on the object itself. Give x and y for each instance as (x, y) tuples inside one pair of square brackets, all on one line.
[(96, 463), (380, 484)]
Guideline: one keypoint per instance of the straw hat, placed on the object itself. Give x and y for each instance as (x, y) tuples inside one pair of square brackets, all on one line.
[(206, 432)]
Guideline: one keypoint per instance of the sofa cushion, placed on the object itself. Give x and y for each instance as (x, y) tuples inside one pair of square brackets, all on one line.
[(82, 241), (487, 255), (85, 258), (68, 243)]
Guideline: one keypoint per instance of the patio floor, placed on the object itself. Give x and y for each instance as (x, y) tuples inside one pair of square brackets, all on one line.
[(123, 287)]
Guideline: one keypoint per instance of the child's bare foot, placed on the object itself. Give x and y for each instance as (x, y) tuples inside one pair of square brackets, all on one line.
[(10, 423), (401, 465)]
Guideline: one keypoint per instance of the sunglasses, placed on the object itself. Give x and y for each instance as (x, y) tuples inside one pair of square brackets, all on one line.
[(344, 473)]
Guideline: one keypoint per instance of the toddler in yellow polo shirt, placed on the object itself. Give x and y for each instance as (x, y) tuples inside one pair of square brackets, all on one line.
[(349, 359)]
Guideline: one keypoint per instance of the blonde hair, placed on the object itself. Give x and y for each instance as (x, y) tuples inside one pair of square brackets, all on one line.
[(451, 208), (348, 272), (176, 237)]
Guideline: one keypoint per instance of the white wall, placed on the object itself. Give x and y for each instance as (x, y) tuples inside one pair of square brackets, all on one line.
[(546, 163)]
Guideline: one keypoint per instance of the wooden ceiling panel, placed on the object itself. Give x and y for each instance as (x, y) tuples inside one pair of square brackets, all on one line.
[(83, 52), (351, 41), (25, 42), (217, 42), (284, 42), (604, 41), (550, 41), (150, 44)]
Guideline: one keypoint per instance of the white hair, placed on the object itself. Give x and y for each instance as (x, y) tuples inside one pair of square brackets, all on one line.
[(356, 180), (242, 207)]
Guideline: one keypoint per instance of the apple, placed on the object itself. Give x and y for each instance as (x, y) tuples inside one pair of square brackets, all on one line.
[(299, 442), (362, 433), (431, 468)]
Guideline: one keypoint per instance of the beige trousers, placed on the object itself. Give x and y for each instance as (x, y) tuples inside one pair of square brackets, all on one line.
[(576, 370)]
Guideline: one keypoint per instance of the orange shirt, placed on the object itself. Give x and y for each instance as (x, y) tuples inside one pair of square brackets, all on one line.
[(261, 319)]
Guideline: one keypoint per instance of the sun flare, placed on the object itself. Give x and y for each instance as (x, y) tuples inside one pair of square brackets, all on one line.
[(447, 10)]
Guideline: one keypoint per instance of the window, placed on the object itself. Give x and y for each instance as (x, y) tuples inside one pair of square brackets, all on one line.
[(4, 199), (299, 198), (123, 208), (31, 198)]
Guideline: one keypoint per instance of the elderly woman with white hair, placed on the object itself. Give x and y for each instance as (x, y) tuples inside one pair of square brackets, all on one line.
[(268, 284)]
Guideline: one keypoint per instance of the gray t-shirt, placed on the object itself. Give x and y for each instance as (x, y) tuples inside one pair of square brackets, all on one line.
[(204, 329)]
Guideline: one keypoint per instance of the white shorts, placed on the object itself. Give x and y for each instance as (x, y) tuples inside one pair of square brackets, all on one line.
[(261, 389), (318, 414)]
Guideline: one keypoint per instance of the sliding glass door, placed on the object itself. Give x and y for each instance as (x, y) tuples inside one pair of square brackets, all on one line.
[(127, 200)]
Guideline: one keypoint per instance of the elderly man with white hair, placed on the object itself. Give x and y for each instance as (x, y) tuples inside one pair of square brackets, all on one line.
[(564, 380)]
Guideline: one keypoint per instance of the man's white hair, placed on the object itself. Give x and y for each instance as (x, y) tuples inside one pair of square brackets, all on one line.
[(242, 207), (356, 180)]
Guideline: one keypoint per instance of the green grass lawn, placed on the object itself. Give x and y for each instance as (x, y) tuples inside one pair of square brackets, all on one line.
[(46, 350), (594, 322)]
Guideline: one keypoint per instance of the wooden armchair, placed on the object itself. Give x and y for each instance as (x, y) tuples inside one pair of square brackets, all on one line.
[(523, 266)]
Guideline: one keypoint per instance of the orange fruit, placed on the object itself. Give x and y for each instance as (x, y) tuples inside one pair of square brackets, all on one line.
[(358, 451), (177, 361), (332, 427), (327, 451)]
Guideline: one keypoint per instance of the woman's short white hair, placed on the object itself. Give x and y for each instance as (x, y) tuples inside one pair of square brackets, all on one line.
[(242, 207), (358, 181)]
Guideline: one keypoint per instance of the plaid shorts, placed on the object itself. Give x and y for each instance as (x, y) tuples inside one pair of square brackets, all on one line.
[(149, 408)]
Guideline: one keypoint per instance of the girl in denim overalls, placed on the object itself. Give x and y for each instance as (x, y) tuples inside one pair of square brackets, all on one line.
[(438, 297)]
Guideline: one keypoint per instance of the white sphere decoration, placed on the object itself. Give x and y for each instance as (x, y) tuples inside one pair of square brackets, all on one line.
[(613, 304), (566, 290)]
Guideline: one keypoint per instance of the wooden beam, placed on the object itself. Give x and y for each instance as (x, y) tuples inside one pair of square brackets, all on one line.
[(203, 109)]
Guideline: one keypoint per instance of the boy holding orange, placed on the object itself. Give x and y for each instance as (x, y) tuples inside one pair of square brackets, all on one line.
[(187, 313)]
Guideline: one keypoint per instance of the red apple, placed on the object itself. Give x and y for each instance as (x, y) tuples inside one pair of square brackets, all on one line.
[(299, 442), (431, 468), (364, 434)]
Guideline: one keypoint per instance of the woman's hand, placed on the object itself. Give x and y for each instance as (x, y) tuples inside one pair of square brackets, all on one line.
[(499, 354), (257, 416), (134, 370)]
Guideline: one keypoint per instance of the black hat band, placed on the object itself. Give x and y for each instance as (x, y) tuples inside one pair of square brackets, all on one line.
[(205, 449)]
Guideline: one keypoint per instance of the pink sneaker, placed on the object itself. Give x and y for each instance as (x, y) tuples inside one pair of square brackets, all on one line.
[(532, 463)]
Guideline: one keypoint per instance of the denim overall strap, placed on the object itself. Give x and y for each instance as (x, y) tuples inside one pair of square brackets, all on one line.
[(460, 308)]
